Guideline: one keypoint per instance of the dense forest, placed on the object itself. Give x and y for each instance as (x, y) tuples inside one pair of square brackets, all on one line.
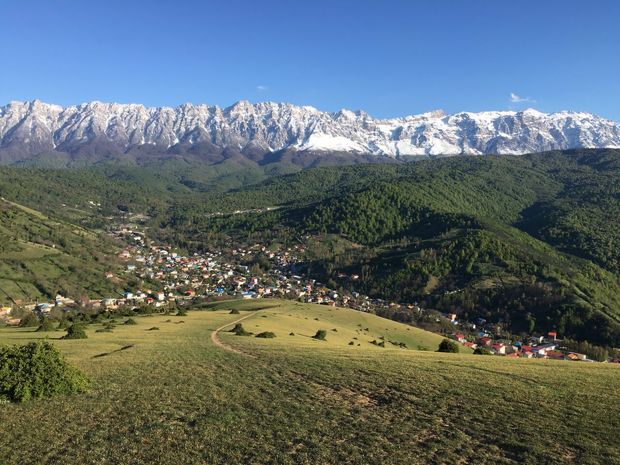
[(533, 241), (530, 241)]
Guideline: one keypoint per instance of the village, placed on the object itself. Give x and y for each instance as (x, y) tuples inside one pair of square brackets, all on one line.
[(170, 278)]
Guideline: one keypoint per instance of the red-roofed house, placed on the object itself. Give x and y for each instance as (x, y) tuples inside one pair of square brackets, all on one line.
[(499, 348)]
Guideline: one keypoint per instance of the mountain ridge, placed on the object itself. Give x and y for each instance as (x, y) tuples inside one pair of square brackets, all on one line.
[(256, 130)]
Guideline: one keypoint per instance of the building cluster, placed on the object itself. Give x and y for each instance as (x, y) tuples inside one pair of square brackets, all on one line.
[(531, 347), (255, 271)]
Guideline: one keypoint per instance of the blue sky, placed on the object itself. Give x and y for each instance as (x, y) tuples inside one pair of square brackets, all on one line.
[(389, 58)]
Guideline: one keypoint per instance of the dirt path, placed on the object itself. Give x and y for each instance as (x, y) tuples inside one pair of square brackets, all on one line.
[(219, 343)]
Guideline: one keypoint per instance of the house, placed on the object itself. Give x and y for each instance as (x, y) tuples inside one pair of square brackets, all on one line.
[(526, 354), (552, 335), (42, 308), (555, 354), (539, 351), (536, 339), (471, 345), (485, 341), (499, 348), (460, 337)]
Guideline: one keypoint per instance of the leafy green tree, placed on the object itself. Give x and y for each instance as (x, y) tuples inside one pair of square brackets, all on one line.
[(448, 345), (37, 370)]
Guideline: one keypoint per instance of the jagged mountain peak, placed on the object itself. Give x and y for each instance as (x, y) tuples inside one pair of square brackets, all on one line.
[(29, 128)]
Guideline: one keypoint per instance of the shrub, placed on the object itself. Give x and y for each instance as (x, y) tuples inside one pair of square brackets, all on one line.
[(182, 312), (29, 320), (107, 328), (234, 311), (482, 351), (239, 330), (131, 321), (266, 335), (75, 331), (320, 335), (46, 325), (36, 370), (449, 346), (291, 334)]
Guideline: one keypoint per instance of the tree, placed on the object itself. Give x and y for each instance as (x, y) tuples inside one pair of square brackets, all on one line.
[(239, 330), (29, 320), (482, 351), (449, 346), (46, 325), (320, 335), (36, 370), (75, 331)]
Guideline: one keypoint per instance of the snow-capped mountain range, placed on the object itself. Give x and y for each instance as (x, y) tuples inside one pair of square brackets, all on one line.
[(30, 128)]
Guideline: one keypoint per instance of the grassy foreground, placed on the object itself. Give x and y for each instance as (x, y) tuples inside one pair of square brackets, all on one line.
[(171, 396)]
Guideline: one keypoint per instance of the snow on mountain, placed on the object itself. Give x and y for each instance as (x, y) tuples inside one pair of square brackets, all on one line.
[(32, 128)]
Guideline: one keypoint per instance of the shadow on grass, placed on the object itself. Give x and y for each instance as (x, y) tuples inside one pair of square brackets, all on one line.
[(114, 351)]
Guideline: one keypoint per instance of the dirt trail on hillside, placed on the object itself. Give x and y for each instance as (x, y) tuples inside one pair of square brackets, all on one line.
[(219, 343)]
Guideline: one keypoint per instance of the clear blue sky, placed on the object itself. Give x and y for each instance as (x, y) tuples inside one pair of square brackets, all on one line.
[(387, 57)]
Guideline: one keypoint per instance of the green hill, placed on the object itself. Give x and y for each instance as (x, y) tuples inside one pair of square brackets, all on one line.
[(172, 396), (528, 241), (41, 257), (343, 327)]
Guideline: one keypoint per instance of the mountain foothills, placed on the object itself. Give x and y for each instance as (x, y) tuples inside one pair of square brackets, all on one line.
[(268, 132), (529, 242), (40, 257)]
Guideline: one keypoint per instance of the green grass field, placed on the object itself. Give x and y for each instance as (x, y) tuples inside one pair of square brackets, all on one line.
[(171, 396)]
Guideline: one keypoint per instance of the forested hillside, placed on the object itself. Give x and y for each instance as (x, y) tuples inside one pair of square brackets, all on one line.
[(531, 241)]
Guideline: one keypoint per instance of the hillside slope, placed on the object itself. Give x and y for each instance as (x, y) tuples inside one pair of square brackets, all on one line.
[(171, 396), (41, 257), (532, 241)]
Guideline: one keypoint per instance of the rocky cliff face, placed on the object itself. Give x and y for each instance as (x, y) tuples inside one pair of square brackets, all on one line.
[(31, 128)]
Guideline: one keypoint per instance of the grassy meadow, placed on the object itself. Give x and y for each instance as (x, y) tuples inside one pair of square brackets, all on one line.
[(170, 395)]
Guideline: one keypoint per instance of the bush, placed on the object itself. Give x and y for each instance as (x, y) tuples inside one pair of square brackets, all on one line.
[(449, 346), (482, 351), (266, 335), (36, 370), (46, 325), (234, 311), (320, 335), (131, 321), (29, 320), (107, 328), (182, 312), (239, 330), (75, 331)]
